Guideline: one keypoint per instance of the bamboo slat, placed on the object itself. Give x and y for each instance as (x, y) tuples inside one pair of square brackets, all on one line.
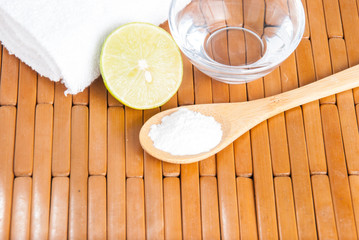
[(59, 209), (246, 208), (354, 187), (45, 90), (7, 141), (134, 152), (21, 208), (185, 92), (9, 79), (276, 128), (337, 171), (227, 200), (116, 174), (112, 102), (243, 156), (209, 208), (263, 183), (300, 175), (324, 207), (287, 226), (25, 122), (62, 132), (96, 221), (320, 47), (135, 209), (190, 199), (350, 21), (98, 128), (172, 208), (41, 179), (333, 19), (153, 192), (79, 174), (306, 33), (311, 113), (288, 74), (81, 98)]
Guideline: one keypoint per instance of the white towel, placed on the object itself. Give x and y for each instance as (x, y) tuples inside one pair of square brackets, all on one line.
[(62, 39)]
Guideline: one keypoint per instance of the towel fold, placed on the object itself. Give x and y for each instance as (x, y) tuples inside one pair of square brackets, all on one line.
[(61, 39)]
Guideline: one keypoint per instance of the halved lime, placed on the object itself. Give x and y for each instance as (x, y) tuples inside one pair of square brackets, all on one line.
[(141, 65)]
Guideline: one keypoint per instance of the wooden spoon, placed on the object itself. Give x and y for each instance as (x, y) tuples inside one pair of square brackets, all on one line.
[(238, 118)]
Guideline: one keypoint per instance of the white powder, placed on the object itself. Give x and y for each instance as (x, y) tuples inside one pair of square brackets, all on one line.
[(185, 132)]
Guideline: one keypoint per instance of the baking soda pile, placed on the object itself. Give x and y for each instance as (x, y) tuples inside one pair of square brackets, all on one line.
[(185, 132)]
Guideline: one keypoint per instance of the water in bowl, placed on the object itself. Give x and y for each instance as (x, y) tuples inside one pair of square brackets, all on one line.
[(239, 46)]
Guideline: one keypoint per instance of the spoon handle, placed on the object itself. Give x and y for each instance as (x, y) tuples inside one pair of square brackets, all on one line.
[(330, 85)]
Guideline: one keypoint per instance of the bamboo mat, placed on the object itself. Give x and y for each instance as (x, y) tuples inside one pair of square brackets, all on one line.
[(73, 167)]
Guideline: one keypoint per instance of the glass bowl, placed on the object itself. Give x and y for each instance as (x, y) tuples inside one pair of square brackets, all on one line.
[(237, 41)]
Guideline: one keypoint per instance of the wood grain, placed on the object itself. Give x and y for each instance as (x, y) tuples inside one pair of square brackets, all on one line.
[(306, 33), (79, 173), (45, 90), (324, 207), (333, 18), (135, 205), (41, 180), (314, 138), (337, 171), (320, 47), (25, 123), (354, 187), (113, 102), (81, 98), (287, 226), (134, 152), (246, 208), (300, 175), (311, 112), (263, 183), (172, 208), (7, 143), (98, 128), (350, 21), (243, 155), (276, 128), (116, 174), (289, 74), (59, 209), (346, 107), (97, 208), (62, 132), (226, 188), (209, 208), (185, 92), (21, 208), (305, 63), (153, 192), (9, 78), (191, 206)]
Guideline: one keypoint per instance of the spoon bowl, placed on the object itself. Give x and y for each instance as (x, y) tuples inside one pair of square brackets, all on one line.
[(238, 118)]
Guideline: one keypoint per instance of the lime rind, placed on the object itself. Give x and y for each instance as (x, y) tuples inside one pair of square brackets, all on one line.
[(161, 89)]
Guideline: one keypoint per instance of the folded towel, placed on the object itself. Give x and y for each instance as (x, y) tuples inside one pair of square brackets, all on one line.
[(61, 39)]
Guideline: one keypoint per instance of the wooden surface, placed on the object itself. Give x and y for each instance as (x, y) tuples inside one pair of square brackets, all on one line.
[(73, 167)]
